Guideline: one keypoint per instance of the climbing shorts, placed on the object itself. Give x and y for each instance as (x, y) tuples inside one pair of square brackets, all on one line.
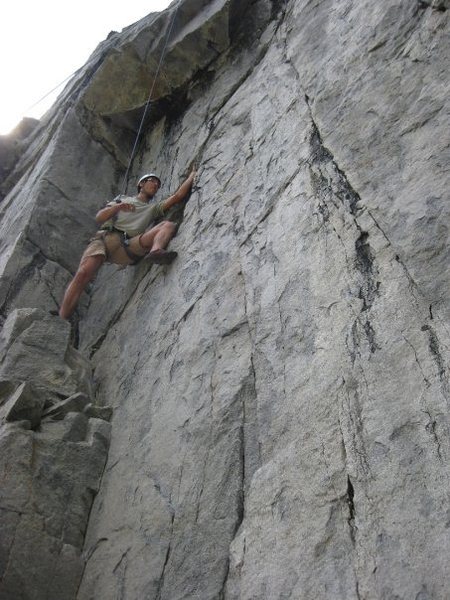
[(111, 246)]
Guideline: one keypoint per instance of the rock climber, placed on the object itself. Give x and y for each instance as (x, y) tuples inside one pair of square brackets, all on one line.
[(124, 237)]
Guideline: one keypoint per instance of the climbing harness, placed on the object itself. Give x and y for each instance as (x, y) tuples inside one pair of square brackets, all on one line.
[(161, 60), (124, 241)]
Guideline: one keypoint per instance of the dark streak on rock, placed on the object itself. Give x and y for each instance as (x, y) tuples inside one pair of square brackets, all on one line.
[(321, 154), (365, 265), (431, 429), (426, 380), (166, 560), (370, 335), (351, 509), (434, 347), (439, 6)]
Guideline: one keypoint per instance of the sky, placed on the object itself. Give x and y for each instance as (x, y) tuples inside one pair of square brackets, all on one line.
[(42, 42)]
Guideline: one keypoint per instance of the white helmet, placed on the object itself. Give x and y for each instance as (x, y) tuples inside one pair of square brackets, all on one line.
[(147, 176)]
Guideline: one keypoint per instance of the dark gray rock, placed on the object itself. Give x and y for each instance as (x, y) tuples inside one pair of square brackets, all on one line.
[(98, 412), (7, 388), (11, 147), (75, 403), (24, 405), (49, 480), (50, 475)]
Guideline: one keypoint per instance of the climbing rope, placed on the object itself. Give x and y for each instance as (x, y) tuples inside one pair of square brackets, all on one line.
[(138, 135), (51, 91)]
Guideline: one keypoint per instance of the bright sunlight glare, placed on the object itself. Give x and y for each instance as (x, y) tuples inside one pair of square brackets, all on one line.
[(43, 43)]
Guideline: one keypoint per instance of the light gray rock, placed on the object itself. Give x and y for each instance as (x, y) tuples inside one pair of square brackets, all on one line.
[(280, 393), (35, 347), (299, 286)]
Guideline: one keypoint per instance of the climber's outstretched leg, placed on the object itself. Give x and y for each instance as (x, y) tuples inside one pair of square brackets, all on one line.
[(86, 272), (156, 239)]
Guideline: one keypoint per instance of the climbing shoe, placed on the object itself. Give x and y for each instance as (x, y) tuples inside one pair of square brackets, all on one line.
[(161, 257)]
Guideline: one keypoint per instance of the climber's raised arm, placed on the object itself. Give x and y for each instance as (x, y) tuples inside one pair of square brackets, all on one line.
[(181, 192)]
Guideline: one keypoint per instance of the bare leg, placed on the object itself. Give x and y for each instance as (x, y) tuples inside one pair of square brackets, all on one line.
[(85, 273), (158, 237)]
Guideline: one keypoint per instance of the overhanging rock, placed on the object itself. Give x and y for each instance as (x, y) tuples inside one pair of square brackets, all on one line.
[(128, 72)]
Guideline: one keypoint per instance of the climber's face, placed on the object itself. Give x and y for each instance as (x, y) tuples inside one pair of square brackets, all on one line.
[(150, 186)]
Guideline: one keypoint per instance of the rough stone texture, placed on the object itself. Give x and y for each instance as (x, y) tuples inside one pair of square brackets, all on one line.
[(35, 347), (50, 469), (280, 393), (75, 403), (25, 404)]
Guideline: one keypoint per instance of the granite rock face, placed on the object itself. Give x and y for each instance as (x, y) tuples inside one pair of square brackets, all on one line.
[(51, 462), (280, 394)]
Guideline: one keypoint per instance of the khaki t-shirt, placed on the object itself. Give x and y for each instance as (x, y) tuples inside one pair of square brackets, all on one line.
[(136, 222)]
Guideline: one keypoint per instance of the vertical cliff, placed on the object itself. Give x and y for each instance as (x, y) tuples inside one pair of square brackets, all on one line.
[(279, 394)]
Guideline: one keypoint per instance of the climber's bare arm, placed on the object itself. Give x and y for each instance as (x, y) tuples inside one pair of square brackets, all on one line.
[(110, 211), (181, 192)]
